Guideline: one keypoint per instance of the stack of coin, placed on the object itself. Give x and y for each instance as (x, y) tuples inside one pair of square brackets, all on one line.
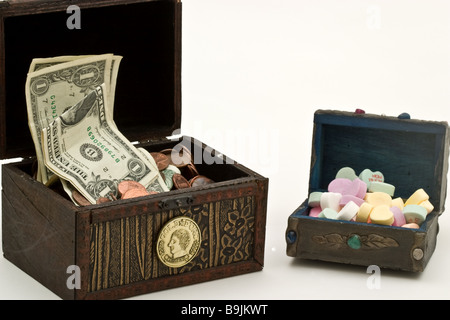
[(176, 168), (128, 189)]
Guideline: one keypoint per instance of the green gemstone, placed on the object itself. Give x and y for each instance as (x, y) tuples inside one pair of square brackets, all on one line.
[(354, 242)]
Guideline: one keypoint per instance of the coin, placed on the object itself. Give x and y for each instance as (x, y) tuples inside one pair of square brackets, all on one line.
[(179, 158), (200, 180), (180, 182), (178, 242), (162, 161), (189, 171), (79, 198), (135, 193), (126, 185), (168, 173), (103, 200)]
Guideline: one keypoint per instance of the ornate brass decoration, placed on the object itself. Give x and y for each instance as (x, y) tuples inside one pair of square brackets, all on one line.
[(178, 242), (124, 251), (371, 241)]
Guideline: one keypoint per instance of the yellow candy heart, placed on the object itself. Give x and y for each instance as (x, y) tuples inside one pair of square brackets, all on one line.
[(382, 215), (364, 212), (398, 202), (427, 205), (417, 197), (378, 198)]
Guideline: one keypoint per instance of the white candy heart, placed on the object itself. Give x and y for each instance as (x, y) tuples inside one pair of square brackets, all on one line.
[(330, 200)]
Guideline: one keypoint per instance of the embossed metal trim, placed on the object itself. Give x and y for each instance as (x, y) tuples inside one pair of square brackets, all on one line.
[(371, 241)]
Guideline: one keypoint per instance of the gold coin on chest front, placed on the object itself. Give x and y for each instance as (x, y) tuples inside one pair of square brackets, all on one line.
[(178, 242)]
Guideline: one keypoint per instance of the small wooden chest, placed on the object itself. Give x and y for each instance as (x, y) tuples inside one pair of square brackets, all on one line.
[(412, 154), (113, 245)]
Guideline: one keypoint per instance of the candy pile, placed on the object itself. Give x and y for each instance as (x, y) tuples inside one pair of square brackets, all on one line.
[(367, 198)]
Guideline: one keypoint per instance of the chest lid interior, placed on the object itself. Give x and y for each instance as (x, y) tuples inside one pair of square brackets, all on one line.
[(411, 154), (147, 33)]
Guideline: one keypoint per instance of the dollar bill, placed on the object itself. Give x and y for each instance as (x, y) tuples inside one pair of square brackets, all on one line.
[(84, 148), (54, 85), (158, 184), (42, 63)]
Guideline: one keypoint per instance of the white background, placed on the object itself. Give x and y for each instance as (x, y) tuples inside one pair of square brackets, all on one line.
[(254, 72)]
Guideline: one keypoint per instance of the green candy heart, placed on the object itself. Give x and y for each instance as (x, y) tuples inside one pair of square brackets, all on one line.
[(346, 173), (368, 176)]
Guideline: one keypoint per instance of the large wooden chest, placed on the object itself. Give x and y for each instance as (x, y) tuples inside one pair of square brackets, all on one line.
[(113, 245), (411, 154)]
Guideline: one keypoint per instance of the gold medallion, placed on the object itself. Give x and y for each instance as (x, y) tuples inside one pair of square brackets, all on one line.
[(178, 242)]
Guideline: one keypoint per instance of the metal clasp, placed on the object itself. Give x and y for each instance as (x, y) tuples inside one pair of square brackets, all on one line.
[(168, 204)]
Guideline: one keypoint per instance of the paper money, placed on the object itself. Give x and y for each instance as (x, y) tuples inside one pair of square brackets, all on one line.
[(158, 184), (56, 84), (83, 147), (42, 63)]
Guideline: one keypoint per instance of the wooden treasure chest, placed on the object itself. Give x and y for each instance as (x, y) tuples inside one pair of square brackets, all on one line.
[(118, 249), (411, 155)]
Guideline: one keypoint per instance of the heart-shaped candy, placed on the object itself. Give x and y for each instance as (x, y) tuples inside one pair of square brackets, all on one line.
[(346, 186), (328, 214), (382, 215), (378, 198), (348, 211), (376, 186), (364, 212), (399, 217), (314, 199), (415, 213), (347, 173), (314, 212), (346, 198), (330, 200), (368, 176), (339, 185), (358, 188)]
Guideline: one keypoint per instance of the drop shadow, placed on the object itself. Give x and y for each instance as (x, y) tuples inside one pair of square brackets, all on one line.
[(351, 268)]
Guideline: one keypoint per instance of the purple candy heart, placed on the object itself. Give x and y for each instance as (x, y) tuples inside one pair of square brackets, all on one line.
[(339, 185), (347, 198), (399, 217)]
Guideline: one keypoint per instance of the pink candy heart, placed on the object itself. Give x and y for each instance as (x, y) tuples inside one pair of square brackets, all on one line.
[(347, 198), (356, 188), (399, 217), (314, 212), (340, 185)]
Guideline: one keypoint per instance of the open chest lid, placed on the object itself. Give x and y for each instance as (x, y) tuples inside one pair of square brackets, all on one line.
[(411, 154), (146, 33)]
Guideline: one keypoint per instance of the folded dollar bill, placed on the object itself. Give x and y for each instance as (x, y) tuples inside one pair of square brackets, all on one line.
[(55, 84), (85, 148)]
